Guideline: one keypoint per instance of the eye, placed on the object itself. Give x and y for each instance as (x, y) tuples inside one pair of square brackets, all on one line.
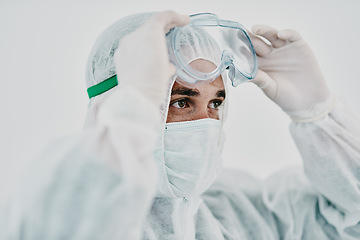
[(182, 103), (215, 104)]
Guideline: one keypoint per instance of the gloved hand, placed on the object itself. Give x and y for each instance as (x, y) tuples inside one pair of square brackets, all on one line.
[(142, 60), (288, 71)]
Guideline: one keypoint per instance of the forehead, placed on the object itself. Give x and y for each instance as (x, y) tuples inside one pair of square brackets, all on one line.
[(203, 65)]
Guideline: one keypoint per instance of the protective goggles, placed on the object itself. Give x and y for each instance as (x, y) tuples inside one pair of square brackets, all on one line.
[(224, 43)]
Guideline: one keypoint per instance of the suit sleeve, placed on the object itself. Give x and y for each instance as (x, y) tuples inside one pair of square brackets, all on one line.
[(97, 184)]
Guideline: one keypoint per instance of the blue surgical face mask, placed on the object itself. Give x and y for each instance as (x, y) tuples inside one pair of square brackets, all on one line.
[(191, 157)]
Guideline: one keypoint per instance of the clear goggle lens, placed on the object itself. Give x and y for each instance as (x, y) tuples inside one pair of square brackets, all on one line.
[(224, 43)]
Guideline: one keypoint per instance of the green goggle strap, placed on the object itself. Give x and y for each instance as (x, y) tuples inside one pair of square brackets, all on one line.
[(102, 87)]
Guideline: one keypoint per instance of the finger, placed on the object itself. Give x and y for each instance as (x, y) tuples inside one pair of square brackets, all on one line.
[(262, 49), (266, 83), (289, 35), (261, 79), (170, 19), (270, 34)]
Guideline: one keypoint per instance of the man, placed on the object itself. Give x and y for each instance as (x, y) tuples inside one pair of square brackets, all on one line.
[(148, 162)]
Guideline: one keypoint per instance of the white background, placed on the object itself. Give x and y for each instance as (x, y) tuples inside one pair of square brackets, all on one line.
[(44, 47)]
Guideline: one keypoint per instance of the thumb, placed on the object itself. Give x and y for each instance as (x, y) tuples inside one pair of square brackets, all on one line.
[(266, 83)]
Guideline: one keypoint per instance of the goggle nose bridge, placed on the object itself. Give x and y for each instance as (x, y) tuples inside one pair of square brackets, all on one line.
[(233, 74), (227, 60)]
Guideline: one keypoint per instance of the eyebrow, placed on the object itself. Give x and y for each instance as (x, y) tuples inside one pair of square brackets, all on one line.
[(221, 93), (185, 91), (194, 92)]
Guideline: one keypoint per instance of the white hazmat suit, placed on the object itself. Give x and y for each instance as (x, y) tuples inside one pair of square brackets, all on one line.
[(106, 182)]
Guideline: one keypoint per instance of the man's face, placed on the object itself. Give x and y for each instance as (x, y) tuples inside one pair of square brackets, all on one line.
[(201, 100)]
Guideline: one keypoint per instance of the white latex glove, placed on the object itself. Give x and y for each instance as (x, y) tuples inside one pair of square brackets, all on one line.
[(289, 74), (142, 60)]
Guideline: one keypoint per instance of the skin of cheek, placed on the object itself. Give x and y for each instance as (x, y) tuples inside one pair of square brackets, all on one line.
[(179, 117)]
